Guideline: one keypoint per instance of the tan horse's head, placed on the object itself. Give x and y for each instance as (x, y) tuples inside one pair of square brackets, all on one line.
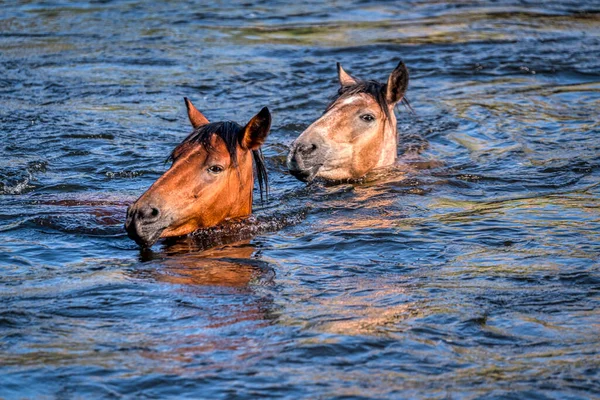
[(211, 180), (356, 134)]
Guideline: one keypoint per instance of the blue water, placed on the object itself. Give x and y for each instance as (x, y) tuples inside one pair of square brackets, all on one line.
[(472, 270)]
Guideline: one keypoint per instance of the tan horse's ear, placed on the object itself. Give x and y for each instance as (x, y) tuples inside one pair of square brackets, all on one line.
[(255, 132), (345, 78), (397, 84), (195, 116)]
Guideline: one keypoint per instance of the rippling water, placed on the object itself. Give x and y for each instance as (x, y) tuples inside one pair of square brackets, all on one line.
[(472, 270)]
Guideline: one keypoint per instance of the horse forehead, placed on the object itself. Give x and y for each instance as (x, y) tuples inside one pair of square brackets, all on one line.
[(217, 143), (217, 147), (359, 100), (191, 154), (340, 112), (356, 98)]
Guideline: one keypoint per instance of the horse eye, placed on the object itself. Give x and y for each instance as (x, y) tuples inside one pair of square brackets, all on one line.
[(215, 169), (367, 117)]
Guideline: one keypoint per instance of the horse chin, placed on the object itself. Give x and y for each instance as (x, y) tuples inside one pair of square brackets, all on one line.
[(151, 240), (144, 236), (331, 176), (306, 175)]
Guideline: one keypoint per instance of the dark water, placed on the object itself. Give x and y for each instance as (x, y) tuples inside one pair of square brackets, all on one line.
[(476, 278)]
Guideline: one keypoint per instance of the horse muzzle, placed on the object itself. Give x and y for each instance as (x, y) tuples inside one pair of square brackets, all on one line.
[(304, 161), (144, 224)]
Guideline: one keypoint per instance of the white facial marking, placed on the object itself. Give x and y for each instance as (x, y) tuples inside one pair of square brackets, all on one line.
[(350, 100)]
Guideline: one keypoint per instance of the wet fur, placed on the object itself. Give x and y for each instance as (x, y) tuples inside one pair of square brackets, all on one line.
[(229, 132), (342, 145)]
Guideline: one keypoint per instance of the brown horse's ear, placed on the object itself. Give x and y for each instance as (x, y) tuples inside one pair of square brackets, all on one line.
[(345, 78), (397, 84), (195, 116), (255, 132)]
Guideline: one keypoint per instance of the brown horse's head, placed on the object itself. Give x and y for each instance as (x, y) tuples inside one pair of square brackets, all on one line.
[(357, 132), (211, 180)]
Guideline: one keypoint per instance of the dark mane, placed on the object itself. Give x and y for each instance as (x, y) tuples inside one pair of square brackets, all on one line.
[(372, 88), (229, 132)]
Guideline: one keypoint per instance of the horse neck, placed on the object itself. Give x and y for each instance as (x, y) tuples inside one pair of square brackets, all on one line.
[(243, 205), (390, 143)]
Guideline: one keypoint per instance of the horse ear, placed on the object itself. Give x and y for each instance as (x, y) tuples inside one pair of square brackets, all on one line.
[(195, 116), (345, 78), (256, 130), (397, 84)]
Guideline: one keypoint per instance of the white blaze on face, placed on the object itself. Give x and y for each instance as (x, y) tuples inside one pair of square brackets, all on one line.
[(350, 100)]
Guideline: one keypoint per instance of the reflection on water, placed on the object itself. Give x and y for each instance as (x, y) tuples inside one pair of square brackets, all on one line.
[(188, 262), (469, 270)]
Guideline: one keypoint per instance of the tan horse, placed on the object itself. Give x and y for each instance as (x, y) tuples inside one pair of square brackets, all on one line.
[(356, 134), (211, 180)]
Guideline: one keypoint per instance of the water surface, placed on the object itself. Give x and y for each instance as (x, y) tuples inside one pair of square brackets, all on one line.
[(472, 270)]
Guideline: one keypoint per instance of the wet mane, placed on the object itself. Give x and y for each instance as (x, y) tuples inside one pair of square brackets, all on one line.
[(229, 132), (372, 88)]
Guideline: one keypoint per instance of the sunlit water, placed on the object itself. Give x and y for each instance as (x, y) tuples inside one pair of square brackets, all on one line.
[(471, 270)]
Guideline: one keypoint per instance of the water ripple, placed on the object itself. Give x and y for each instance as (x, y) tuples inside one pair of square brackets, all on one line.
[(469, 270)]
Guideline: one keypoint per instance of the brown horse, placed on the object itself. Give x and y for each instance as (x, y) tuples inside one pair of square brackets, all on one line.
[(356, 134), (211, 180)]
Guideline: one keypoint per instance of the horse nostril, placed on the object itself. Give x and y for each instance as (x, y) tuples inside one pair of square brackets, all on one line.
[(147, 214), (306, 149)]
